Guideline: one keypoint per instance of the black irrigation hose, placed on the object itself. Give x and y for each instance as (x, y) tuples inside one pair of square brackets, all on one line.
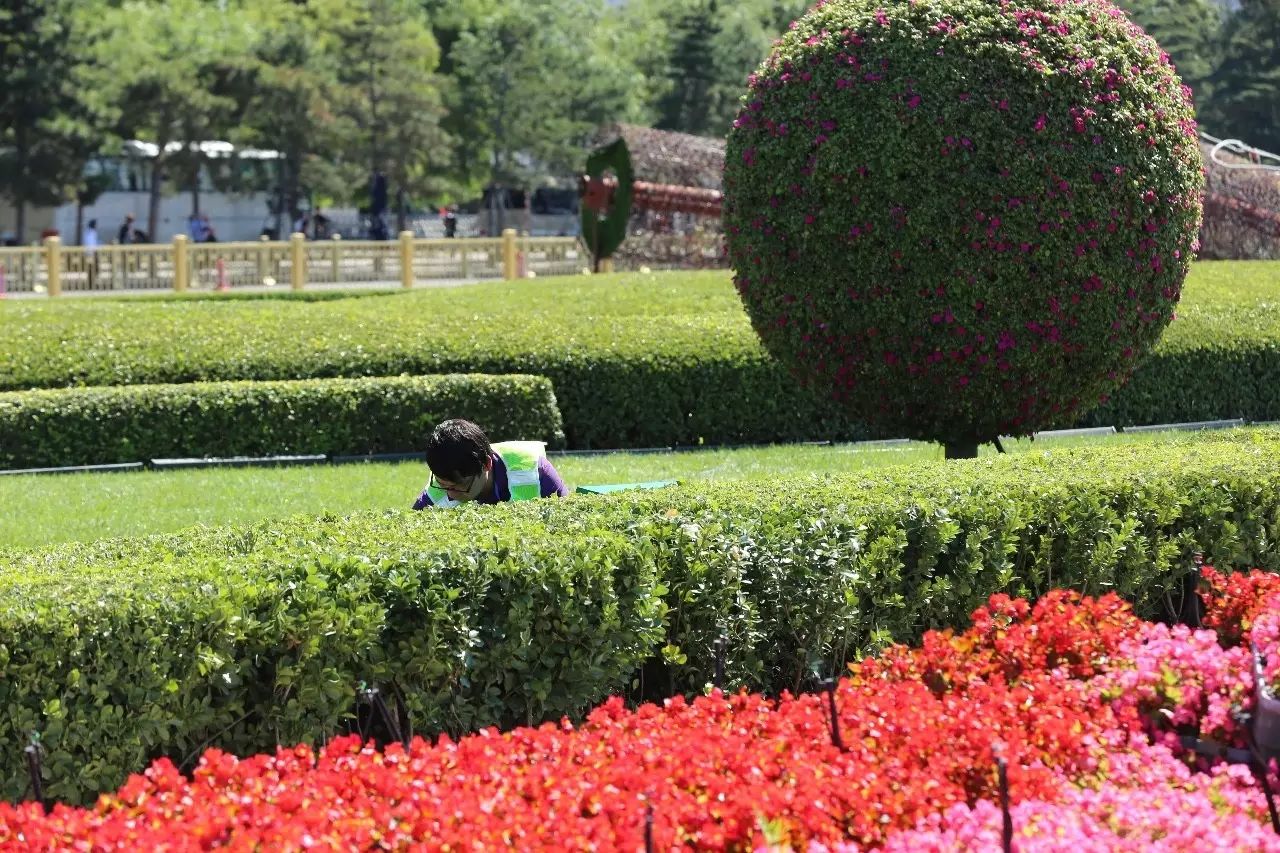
[(34, 752), (1006, 834), (829, 684)]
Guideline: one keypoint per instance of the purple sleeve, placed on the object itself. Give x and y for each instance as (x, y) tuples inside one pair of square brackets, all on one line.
[(549, 480), (423, 501)]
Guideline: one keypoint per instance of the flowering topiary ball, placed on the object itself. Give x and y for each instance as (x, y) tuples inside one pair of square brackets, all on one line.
[(963, 218)]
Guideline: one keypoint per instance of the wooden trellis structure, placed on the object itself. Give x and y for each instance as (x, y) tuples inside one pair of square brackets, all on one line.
[(652, 198)]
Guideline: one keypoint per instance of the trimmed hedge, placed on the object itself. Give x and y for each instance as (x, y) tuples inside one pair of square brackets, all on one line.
[(82, 426), (636, 360), (123, 650)]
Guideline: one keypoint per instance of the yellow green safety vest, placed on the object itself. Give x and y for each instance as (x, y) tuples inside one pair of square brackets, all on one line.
[(521, 459)]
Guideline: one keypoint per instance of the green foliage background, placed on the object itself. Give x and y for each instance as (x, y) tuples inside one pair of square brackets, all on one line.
[(449, 95)]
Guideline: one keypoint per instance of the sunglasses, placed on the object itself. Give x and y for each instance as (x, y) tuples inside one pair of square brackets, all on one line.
[(457, 488)]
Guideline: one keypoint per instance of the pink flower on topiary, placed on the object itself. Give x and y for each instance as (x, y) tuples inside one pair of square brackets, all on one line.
[(915, 219)]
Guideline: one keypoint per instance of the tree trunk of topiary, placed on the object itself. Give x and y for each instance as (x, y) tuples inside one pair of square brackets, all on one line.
[(961, 449)]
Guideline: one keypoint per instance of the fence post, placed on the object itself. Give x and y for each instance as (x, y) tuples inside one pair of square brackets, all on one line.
[(298, 261), (335, 258), (509, 254), (53, 265), (406, 259), (119, 267), (181, 269), (264, 253)]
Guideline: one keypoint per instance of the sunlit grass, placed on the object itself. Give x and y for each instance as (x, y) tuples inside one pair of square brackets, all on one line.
[(37, 510)]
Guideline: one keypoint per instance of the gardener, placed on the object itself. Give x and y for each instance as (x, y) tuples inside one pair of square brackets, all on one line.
[(466, 467)]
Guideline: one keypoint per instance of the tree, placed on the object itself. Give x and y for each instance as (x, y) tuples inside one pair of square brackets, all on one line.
[(1190, 31), (174, 69), (1247, 82), (49, 125), (641, 35), (291, 95), (747, 30), (692, 102), (536, 79), (388, 95), (707, 55)]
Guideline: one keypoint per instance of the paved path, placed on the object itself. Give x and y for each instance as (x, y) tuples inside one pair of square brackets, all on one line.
[(259, 288)]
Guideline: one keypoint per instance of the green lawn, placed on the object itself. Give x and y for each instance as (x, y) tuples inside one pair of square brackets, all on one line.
[(40, 510)]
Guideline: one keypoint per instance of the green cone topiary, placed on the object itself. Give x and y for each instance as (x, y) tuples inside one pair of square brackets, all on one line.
[(962, 218)]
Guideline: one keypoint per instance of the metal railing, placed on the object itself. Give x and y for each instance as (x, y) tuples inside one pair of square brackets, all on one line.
[(181, 265)]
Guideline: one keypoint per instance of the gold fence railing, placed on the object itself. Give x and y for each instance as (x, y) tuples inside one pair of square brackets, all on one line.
[(181, 265), (22, 269)]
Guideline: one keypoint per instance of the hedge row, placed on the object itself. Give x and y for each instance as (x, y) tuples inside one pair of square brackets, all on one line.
[(636, 360), (82, 426), (122, 650)]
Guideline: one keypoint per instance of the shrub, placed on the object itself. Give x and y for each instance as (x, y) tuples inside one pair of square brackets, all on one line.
[(961, 219), (920, 732), (77, 426), (636, 361), (243, 638)]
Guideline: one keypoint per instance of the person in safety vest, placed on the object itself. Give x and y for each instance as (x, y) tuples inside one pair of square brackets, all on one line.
[(466, 467)]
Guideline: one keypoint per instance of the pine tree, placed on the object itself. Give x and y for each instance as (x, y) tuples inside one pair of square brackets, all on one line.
[(1190, 31), (691, 104), (389, 92), (1247, 82)]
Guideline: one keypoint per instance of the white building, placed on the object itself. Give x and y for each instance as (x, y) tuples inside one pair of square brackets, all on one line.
[(240, 213)]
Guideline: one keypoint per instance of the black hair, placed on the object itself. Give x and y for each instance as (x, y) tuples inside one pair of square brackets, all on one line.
[(458, 449)]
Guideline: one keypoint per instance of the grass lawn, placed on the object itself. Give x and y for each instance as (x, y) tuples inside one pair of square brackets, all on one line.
[(46, 509)]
